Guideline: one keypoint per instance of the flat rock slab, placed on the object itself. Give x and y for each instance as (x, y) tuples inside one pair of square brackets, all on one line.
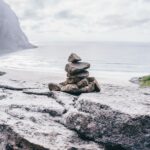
[(30, 121), (116, 121), (38, 131), (73, 68), (40, 92), (67, 100), (34, 103), (17, 85)]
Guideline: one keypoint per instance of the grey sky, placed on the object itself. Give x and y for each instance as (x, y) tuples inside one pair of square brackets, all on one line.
[(85, 20)]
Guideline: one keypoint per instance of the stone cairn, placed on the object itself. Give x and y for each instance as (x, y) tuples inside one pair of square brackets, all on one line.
[(78, 80)]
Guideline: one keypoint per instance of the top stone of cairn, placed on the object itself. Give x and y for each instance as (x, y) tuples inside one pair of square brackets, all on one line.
[(74, 58)]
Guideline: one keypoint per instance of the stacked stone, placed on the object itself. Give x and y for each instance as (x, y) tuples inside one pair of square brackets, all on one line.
[(78, 80)]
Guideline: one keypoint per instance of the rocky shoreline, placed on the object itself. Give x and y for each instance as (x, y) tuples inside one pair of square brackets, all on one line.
[(32, 117)]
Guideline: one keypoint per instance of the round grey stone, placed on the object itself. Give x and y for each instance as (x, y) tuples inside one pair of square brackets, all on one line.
[(53, 87), (74, 58)]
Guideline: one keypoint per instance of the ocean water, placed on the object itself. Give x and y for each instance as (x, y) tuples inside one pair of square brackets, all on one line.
[(103, 56)]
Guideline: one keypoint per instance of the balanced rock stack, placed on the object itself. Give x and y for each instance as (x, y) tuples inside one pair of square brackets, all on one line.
[(78, 80)]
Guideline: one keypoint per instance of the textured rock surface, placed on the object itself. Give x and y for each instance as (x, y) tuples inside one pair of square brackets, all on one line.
[(118, 121), (31, 121), (118, 117)]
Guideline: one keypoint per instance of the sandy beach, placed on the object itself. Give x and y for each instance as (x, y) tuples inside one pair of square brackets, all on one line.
[(103, 77)]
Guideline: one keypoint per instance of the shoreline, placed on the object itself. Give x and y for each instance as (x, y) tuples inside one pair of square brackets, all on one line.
[(103, 77)]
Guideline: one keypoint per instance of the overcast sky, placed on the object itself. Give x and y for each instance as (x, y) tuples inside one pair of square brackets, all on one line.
[(84, 20)]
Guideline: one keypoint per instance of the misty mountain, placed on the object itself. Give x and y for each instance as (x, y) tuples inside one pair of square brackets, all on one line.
[(11, 35)]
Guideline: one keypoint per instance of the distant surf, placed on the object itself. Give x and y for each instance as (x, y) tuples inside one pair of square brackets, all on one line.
[(103, 56)]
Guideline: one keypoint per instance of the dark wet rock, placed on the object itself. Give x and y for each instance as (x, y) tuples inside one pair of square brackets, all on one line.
[(74, 58), (2, 73), (73, 68), (108, 121), (54, 87), (81, 75), (83, 83)]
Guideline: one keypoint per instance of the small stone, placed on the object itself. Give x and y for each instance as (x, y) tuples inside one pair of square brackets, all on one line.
[(70, 88), (82, 75), (53, 87), (2, 73), (91, 79), (88, 89), (97, 87), (74, 58), (83, 83), (73, 80), (73, 68)]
